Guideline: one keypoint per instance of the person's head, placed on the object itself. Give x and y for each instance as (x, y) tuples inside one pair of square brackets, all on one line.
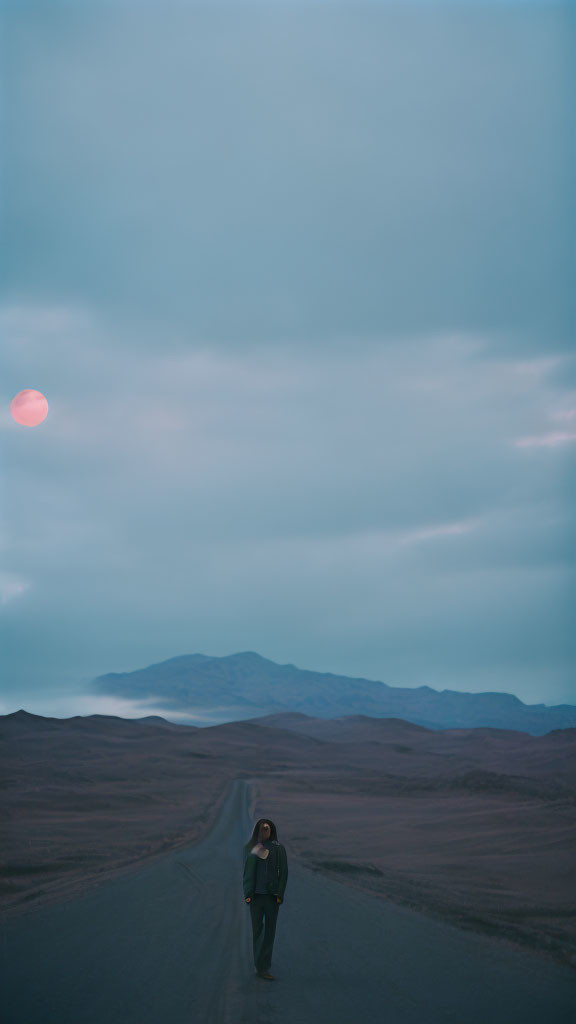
[(263, 829)]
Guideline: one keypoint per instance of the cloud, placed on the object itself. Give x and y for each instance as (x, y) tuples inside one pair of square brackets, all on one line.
[(551, 440), (25, 322), (213, 497), (446, 529), (287, 335), (11, 587), (540, 367), (367, 195), (564, 414), (70, 705)]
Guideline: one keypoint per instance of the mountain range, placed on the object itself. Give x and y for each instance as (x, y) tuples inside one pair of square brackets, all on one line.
[(246, 685)]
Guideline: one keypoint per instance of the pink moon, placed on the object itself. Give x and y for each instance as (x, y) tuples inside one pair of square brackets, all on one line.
[(29, 407)]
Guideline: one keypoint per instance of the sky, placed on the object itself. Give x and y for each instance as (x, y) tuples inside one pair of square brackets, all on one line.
[(296, 282)]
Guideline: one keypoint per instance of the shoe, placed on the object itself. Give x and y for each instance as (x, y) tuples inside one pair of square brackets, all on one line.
[(266, 974)]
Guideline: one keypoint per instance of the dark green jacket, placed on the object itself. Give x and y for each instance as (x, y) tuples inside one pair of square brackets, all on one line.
[(277, 878)]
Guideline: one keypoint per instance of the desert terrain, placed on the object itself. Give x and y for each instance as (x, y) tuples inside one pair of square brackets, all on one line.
[(171, 941), (476, 827)]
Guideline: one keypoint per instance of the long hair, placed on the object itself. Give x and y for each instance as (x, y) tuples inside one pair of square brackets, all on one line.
[(254, 837)]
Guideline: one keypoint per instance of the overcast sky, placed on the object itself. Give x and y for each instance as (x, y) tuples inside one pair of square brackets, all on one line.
[(296, 282)]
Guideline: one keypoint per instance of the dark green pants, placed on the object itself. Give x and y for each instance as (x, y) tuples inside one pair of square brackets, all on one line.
[(264, 914)]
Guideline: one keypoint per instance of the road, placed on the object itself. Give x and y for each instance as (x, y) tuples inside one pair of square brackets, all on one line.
[(170, 943)]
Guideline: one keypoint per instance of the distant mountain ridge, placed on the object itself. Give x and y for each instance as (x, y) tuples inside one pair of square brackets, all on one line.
[(246, 685)]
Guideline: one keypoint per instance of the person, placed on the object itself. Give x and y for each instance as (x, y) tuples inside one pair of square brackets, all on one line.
[(264, 882)]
